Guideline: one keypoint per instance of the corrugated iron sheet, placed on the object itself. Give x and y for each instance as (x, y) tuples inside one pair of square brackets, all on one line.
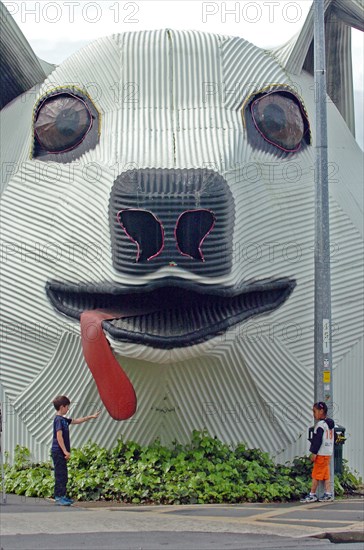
[(163, 105), (20, 67)]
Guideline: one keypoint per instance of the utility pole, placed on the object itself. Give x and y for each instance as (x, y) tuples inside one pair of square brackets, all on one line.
[(322, 332)]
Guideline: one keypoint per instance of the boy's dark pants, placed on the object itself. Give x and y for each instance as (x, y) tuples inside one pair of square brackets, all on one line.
[(60, 474)]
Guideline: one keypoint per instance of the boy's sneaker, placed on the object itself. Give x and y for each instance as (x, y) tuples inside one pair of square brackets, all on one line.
[(327, 497), (70, 500), (62, 501), (309, 498)]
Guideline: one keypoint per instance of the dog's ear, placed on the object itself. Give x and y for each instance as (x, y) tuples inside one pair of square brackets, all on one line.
[(298, 54), (20, 68)]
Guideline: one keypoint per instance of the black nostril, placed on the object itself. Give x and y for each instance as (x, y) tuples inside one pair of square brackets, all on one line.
[(191, 230), (145, 230)]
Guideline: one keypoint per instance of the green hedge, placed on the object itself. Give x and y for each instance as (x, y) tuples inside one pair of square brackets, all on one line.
[(204, 471)]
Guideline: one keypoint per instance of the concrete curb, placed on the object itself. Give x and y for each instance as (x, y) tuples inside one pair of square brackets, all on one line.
[(341, 536)]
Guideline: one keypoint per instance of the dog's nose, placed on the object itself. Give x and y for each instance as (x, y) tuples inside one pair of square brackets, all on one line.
[(162, 217)]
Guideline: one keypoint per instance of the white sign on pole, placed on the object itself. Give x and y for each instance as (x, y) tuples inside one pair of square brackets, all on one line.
[(326, 336)]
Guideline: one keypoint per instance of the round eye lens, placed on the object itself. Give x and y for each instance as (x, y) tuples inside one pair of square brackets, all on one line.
[(279, 120), (61, 123)]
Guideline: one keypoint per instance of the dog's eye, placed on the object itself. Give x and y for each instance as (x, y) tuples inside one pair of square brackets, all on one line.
[(62, 122), (280, 120)]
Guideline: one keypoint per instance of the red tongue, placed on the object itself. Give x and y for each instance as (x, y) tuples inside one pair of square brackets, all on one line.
[(115, 388)]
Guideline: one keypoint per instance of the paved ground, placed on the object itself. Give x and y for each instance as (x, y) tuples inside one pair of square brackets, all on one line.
[(28, 524)]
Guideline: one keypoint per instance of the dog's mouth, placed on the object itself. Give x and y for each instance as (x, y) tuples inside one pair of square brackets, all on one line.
[(166, 317), (170, 317)]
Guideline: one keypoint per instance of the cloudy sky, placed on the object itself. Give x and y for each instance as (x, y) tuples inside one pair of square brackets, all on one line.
[(56, 29)]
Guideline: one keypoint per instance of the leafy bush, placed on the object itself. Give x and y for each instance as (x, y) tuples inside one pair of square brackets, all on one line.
[(204, 471)]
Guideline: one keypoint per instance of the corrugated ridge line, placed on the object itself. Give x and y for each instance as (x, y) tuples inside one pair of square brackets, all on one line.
[(37, 198), (210, 116), (190, 393), (264, 265), (189, 78), (234, 382), (150, 392), (26, 229), (145, 146), (106, 152), (263, 353), (303, 41), (251, 198), (154, 91), (25, 288), (348, 395), (28, 363), (58, 228), (243, 65), (23, 305), (148, 117), (194, 148), (346, 185), (84, 62), (345, 101), (17, 253), (248, 393), (176, 419), (133, 431), (238, 57), (53, 380), (231, 383), (20, 67), (351, 12), (155, 355), (339, 67), (144, 425), (15, 138), (342, 271), (283, 53), (31, 353), (340, 221), (350, 245), (182, 433), (39, 202), (16, 433), (299, 448), (271, 363), (345, 234)]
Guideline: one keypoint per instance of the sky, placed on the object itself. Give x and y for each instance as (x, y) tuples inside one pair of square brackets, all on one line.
[(56, 29)]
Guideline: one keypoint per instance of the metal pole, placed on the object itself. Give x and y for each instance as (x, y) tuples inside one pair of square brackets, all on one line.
[(322, 332)]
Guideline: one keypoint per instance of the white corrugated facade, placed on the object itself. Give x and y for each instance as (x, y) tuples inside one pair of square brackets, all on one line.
[(254, 383)]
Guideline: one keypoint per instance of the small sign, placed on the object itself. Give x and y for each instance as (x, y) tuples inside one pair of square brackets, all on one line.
[(326, 376), (326, 335)]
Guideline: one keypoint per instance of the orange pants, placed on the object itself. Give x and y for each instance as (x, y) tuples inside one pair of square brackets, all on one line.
[(321, 467)]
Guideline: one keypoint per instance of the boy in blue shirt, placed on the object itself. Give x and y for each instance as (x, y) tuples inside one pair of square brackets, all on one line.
[(61, 448)]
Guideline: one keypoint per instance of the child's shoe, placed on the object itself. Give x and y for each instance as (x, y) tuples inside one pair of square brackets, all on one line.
[(328, 497), (62, 501), (70, 500), (309, 498)]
